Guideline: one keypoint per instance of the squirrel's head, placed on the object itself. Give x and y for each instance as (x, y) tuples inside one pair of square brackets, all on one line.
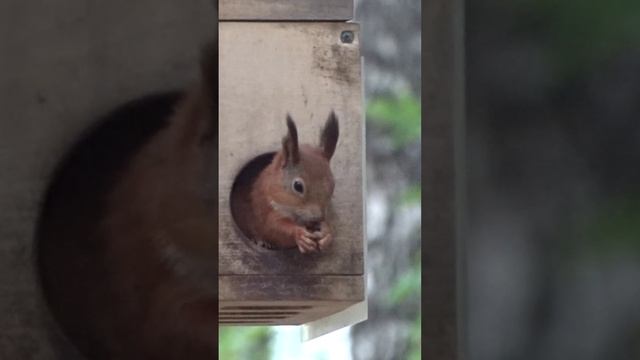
[(303, 183)]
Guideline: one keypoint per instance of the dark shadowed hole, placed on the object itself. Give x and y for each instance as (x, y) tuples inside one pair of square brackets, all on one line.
[(240, 200), (73, 272)]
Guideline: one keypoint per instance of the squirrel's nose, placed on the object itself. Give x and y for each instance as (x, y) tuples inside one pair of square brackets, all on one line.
[(314, 214)]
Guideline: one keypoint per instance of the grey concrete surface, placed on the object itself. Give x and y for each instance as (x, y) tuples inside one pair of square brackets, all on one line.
[(62, 64)]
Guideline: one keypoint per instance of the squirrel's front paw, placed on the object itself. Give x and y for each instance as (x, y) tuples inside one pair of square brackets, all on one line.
[(305, 240), (324, 237)]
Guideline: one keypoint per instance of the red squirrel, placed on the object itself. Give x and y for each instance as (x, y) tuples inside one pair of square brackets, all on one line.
[(126, 240), (290, 197)]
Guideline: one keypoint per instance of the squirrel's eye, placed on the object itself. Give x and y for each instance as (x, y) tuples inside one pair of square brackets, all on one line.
[(298, 186)]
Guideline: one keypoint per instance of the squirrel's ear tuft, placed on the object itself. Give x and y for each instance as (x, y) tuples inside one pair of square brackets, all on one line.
[(329, 136), (290, 144)]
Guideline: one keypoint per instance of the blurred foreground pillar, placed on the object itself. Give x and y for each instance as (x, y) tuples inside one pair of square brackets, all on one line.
[(62, 65), (443, 97)]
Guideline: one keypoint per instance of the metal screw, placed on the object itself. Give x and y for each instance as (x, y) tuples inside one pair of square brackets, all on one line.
[(347, 37)]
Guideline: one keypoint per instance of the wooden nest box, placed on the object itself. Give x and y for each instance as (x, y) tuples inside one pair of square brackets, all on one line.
[(306, 69)]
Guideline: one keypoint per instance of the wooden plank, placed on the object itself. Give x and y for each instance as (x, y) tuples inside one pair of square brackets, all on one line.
[(286, 10), (303, 312), (63, 65), (266, 71), (293, 288), (285, 300), (443, 93), (349, 316)]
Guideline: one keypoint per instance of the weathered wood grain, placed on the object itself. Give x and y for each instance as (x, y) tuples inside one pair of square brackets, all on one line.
[(286, 10), (266, 71), (285, 300), (278, 312), (291, 288)]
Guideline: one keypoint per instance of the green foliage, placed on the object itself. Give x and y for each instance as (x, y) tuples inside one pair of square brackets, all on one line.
[(411, 196), (614, 229), (400, 114), (415, 340), (582, 34), (408, 285), (245, 342)]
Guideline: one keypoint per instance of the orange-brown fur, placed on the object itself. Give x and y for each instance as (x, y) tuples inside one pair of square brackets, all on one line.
[(128, 267), (296, 220)]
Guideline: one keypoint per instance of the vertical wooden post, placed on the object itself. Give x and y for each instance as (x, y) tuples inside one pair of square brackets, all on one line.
[(286, 10), (443, 191)]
